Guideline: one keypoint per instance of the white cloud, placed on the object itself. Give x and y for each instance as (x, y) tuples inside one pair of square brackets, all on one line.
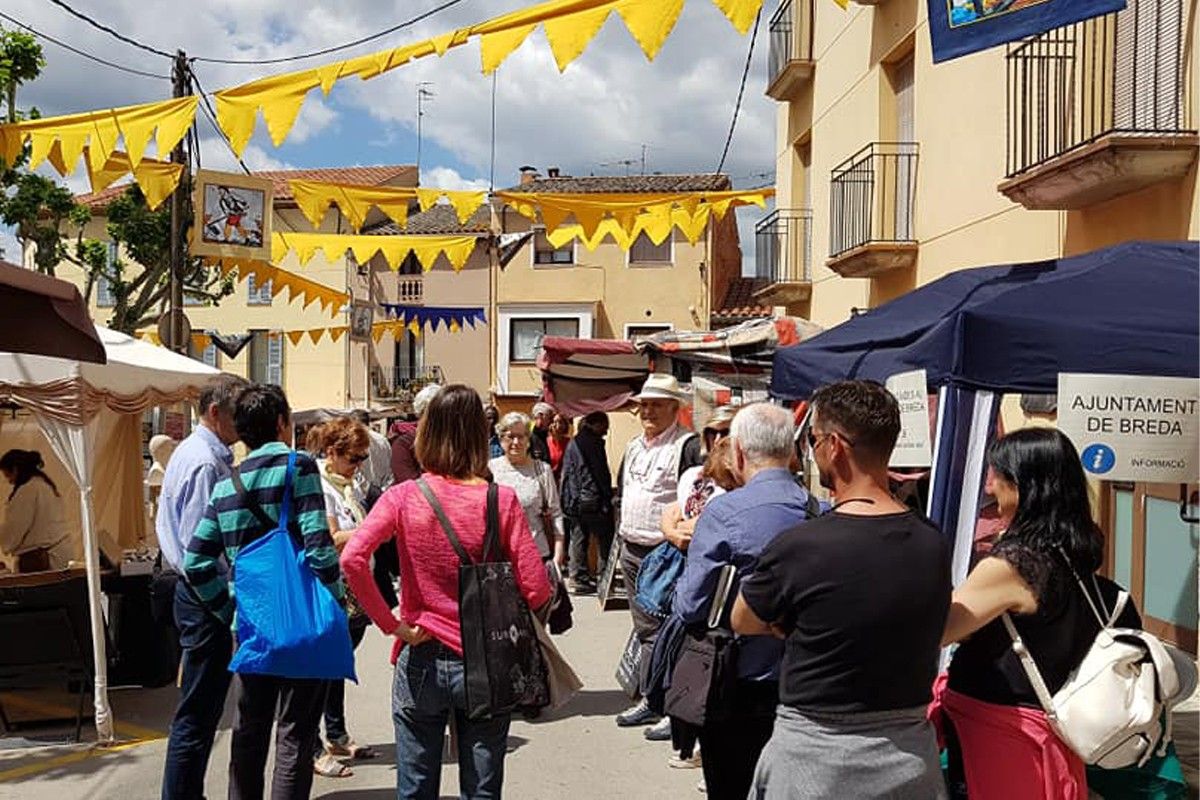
[(215, 154), (10, 246), (448, 178)]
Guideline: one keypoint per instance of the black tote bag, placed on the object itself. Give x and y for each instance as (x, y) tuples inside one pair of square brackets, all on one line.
[(502, 661)]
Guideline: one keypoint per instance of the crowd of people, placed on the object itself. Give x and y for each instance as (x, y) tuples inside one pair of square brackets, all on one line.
[(822, 622)]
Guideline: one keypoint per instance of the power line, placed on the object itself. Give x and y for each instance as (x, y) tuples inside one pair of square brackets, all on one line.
[(737, 108), (82, 53), (115, 34), (326, 51)]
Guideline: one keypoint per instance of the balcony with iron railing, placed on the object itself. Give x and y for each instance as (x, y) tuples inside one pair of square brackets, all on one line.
[(790, 61), (872, 209), (1097, 109), (783, 257)]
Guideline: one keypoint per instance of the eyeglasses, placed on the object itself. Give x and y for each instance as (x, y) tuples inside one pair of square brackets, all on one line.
[(515, 437), (814, 440), (358, 458)]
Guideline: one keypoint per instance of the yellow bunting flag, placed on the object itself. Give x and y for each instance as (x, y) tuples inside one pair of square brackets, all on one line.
[(100, 131), (295, 336), (314, 199), (394, 249), (331, 300), (157, 179), (569, 25)]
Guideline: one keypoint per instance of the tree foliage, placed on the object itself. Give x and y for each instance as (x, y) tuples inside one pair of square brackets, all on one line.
[(46, 214)]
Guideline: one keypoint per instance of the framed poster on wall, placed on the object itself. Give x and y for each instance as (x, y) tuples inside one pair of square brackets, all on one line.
[(233, 214)]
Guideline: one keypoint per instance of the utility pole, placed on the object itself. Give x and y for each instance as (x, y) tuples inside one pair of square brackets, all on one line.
[(422, 95), (181, 87)]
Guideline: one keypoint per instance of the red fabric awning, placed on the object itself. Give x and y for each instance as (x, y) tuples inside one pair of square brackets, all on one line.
[(46, 317)]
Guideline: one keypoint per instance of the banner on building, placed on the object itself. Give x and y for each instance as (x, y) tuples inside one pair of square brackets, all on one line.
[(1132, 428), (913, 447), (959, 27)]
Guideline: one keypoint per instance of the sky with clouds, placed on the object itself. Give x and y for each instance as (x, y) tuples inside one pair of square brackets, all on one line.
[(602, 111)]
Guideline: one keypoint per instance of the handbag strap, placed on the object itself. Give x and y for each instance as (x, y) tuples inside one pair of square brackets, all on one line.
[(1103, 619), (491, 536), (252, 505), (440, 513), (1031, 670)]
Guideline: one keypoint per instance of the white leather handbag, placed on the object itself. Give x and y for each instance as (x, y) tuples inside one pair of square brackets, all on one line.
[(1115, 708)]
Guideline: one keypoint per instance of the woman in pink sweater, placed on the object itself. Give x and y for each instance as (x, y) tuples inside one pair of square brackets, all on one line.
[(452, 446)]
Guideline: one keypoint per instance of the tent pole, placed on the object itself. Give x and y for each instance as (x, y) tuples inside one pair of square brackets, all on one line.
[(91, 554)]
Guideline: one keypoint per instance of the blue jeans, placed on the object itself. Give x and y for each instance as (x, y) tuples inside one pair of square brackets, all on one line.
[(427, 689), (207, 646)]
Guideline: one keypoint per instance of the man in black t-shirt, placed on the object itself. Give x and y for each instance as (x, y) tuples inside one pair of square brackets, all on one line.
[(860, 596)]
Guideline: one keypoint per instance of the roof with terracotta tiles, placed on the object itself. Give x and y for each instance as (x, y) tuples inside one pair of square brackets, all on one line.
[(640, 184), (440, 219), (391, 174), (739, 304)]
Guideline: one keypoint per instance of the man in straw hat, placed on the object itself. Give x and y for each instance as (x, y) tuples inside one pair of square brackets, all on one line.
[(648, 483)]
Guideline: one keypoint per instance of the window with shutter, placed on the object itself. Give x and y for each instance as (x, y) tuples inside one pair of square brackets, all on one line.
[(525, 335), (104, 294), (546, 255), (645, 252), (275, 358), (258, 295), (266, 357)]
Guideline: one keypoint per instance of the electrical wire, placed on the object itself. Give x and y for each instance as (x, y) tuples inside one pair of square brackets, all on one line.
[(326, 51), (82, 53), (737, 108), (115, 34)]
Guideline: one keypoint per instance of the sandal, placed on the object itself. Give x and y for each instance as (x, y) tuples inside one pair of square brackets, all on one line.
[(348, 748), (329, 767)]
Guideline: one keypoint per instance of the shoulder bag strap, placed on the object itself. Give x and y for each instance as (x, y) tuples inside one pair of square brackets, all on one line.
[(491, 536), (249, 502), (431, 498), (1118, 607), (1031, 670), (1086, 596)]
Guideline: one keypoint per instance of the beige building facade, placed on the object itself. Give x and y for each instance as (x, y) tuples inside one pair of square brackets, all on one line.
[(345, 373)]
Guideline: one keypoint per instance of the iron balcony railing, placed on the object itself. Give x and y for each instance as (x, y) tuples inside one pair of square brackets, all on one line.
[(783, 246), (791, 34), (873, 197), (411, 379), (1121, 73)]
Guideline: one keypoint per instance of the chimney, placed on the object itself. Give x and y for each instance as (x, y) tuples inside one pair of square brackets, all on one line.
[(528, 174), (552, 172)]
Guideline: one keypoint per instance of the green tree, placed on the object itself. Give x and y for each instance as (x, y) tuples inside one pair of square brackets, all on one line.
[(45, 213)]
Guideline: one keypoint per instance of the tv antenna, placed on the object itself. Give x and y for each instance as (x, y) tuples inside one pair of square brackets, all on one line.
[(424, 95)]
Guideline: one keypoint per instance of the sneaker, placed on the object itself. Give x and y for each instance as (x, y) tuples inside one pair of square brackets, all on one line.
[(678, 762), (578, 587), (636, 715), (661, 732)]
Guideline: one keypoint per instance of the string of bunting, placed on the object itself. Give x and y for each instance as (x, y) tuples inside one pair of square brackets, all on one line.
[(414, 319), (157, 179), (569, 26), (309, 291), (355, 201), (394, 249), (632, 213), (655, 228)]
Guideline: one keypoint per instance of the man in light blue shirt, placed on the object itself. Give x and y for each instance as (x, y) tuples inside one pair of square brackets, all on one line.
[(734, 529), (199, 462)]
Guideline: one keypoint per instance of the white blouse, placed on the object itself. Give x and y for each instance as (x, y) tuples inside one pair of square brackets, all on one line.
[(535, 487), (34, 519)]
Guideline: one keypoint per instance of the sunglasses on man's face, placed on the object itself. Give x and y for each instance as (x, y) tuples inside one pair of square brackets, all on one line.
[(815, 439)]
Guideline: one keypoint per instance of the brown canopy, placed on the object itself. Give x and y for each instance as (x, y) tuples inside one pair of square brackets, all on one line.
[(45, 316)]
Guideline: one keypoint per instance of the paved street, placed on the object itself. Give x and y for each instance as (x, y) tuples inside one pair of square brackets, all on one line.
[(577, 752)]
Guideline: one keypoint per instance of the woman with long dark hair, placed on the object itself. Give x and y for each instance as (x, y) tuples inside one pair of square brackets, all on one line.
[(34, 529), (1041, 572), (452, 447)]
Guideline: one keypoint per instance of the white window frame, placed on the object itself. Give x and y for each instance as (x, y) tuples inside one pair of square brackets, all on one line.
[(275, 373), (585, 313), (629, 262), (533, 262), (255, 293), (662, 326)]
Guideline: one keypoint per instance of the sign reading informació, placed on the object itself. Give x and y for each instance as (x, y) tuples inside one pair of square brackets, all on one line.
[(1131, 427)]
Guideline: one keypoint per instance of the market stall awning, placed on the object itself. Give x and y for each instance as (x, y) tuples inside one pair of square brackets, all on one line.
[(45, 316), (584, 375), (1129, 309)]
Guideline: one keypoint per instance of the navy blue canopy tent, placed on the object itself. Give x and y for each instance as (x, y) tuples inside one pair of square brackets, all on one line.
[(1129, 309)]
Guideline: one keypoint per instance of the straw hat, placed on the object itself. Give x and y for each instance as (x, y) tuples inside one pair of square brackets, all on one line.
[(661, 386), (721, 418)]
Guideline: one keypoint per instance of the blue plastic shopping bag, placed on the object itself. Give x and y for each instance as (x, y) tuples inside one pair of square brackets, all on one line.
[(288, 624)]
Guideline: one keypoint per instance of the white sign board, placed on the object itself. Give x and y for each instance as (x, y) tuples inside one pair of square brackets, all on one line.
[(1132, 428), (913, 448)]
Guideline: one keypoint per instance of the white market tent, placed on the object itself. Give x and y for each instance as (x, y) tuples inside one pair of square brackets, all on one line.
[(88, 412)]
